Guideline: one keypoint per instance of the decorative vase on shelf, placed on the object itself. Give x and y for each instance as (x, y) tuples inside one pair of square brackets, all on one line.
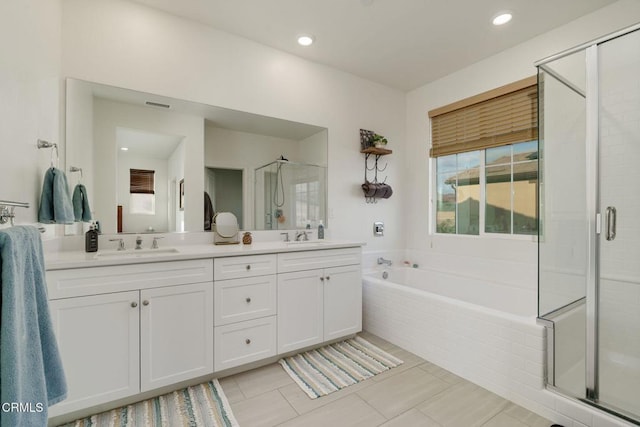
[(246, 238), (380, 145)]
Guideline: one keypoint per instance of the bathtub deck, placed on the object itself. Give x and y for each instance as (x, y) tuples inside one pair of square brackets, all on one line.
[(417, 393)]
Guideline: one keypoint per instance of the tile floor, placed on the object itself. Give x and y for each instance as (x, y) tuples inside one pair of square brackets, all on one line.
[(417, 393)]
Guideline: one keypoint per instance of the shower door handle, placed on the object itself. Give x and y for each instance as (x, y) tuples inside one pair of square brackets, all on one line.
[(611, 223)]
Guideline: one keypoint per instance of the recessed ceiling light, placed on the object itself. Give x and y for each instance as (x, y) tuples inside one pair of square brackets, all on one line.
[(305, 40), (502, 18), (124, 148)]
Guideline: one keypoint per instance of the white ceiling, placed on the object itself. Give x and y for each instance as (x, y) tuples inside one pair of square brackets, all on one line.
[(403, 44)]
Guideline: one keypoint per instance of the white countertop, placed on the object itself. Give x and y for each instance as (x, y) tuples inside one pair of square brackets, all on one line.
[(80, 259)]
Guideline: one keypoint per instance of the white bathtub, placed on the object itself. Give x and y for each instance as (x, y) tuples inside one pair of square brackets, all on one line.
[(501, 297), (470, 328)]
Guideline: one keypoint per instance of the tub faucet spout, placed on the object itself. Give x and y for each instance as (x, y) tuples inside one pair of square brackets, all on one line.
[(384, 261)]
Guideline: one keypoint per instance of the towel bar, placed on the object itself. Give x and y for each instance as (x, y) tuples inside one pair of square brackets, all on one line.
[(6, 210)]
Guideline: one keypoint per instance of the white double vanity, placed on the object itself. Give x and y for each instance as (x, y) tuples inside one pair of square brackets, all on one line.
[(128, 325)]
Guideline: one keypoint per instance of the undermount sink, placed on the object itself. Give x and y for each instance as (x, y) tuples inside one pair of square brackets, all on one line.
[(136, 253), (308, 243)]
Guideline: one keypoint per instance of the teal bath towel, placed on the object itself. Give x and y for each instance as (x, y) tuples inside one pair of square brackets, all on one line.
[(55, 202), (31, 373), (81, 210)]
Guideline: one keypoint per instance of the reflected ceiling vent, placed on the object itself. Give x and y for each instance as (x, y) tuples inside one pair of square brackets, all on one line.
[(157, 104)]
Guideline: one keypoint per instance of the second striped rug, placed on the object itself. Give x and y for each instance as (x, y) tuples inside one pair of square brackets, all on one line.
[(333, 367)]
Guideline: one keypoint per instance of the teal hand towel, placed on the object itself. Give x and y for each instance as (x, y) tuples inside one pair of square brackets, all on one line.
[(81, 210), (55, 201), (31, 372)]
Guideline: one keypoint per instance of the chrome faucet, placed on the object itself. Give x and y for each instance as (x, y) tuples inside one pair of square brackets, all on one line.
[(154, 244), (384, 261), (286, 236), (120, 243), (301, 236), (138, 242)]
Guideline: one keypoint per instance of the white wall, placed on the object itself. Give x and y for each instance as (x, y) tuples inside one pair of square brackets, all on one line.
[(129, 45), (508, 66), (29, 105)]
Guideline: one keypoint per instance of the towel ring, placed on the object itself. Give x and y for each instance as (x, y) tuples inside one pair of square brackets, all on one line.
[(46, 144), (76, 169)]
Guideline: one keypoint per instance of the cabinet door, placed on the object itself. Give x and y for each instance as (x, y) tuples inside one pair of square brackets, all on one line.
[(300, 309), (176, 334), (99, 344), (342, 301)]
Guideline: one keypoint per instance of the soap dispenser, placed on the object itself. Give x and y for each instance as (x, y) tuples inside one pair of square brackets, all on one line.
[(91, 240), (320, 230)]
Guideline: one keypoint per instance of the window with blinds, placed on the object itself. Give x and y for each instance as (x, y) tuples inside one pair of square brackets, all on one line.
[(503, 116), (141, 181), (485, 164)]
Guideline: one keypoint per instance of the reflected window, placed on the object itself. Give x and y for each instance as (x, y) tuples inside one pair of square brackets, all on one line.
[(142, 199), (307, 203)]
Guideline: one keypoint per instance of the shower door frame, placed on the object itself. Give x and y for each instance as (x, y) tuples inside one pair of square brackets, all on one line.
[(594, 217)]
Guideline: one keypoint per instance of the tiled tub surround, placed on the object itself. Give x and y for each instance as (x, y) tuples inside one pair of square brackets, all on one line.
[(500, 351)]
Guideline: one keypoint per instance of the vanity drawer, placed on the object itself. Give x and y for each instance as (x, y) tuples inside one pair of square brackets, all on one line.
[(238, 267), (244, 342), (237, 300), (309, 260), (101, 280)]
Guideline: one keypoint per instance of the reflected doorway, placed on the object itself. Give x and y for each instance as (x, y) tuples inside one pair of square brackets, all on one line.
[(225, 189)]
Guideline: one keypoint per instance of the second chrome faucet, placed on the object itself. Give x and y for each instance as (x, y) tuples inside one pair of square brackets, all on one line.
[(381, 261)]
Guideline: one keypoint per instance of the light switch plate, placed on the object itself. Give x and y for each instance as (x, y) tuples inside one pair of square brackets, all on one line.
[(378, 228)]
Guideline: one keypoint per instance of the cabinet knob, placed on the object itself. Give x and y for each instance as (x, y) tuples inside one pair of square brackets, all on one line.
[(134, 304), (145, 302), (248, 300), (248, 266), (322, 279), (247, 341), (328, 277)]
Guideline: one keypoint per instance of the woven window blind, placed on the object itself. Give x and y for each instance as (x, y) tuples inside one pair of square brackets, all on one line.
[(503, 116), (141, 181)]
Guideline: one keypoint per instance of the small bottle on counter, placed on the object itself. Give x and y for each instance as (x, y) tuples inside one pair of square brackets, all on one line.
[(320, 230), (91, 240)]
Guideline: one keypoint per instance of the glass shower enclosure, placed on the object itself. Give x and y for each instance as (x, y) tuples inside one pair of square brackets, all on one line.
[(589, 238)]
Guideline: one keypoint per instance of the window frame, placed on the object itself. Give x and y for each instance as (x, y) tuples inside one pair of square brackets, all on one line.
[(433, 226)]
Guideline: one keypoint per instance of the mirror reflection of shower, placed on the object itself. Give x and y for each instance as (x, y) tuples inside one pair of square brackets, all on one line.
[(290, 195)]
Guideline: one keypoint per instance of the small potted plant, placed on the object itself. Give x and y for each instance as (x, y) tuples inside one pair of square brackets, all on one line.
[(379, 141)]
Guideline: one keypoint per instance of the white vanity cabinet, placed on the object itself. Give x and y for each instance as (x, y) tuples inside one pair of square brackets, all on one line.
[(245, 309), (319, 297), (116, 343), (99, 345)]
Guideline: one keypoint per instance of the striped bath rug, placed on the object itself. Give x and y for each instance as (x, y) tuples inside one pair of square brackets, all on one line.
[(203, 405), (333, 367)]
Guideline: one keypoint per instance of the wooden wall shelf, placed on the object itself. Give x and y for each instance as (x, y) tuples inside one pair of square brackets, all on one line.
[(376, 151)]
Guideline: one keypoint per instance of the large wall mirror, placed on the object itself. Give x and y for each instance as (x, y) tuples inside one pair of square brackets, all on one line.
[(152, 164)]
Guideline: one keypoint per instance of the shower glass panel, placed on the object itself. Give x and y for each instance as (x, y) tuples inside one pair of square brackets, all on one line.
[(563, 193), (589, 241), (619, 266), (563, 216)]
